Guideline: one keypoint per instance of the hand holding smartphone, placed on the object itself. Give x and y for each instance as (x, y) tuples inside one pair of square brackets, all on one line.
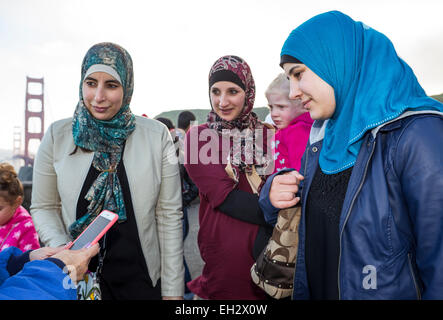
[(95, 230)]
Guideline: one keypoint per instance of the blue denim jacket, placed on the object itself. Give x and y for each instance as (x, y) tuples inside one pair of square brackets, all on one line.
[(391, 224)]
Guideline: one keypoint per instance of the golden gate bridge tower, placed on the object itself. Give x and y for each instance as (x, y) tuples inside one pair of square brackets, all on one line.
[(34, 113), (33, 133)]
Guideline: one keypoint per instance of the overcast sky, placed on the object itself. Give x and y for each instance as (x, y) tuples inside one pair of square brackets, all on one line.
[(174, 43)]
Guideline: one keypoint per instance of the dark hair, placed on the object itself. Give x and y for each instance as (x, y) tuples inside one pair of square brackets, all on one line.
[(10, 186), (288, 59), (166, 122), (184, 119)]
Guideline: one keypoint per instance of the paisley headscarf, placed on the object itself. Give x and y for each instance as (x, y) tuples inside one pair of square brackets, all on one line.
[(372, 84), (105, 138), (246, 128)]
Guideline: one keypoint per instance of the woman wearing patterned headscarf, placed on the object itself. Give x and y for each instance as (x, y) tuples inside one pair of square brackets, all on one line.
[(228, 160), (372, 174), (106, 158)]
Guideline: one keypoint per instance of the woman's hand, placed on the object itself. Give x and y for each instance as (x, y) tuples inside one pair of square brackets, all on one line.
[(284, 188), (43, 253), (77, 261)]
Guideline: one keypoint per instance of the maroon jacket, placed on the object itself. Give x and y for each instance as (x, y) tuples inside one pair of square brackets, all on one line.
[(225, 243)]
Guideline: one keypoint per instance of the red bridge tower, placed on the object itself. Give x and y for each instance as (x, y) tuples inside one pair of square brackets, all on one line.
[(34, 111)]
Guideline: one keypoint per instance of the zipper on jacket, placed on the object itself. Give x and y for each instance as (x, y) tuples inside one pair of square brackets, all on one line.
[(417, 290), (306, 160), (307, 150), (349, 212)]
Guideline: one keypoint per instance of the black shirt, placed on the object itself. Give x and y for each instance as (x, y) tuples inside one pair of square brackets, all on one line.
[(322, 249), (124, 273)]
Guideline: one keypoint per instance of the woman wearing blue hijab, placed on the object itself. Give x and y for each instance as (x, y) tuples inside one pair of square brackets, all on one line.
[(372, 173)]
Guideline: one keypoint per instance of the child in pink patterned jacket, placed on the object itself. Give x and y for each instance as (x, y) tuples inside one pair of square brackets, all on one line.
[(16, 226), (293, 123)]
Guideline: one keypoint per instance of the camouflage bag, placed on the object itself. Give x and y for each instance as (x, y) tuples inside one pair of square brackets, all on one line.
[(274, 269)]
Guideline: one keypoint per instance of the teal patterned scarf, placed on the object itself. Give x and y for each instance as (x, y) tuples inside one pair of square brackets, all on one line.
[(105, 138)]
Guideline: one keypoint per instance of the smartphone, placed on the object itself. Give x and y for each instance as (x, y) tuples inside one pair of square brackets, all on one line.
[(95, 230)]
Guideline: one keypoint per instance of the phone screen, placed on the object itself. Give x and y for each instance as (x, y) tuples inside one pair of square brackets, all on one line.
[(91, 232)]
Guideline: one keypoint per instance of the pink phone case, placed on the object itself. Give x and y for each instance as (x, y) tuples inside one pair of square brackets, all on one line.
[(102, 233)]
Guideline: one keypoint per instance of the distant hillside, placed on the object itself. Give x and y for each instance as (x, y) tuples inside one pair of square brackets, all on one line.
[(438, 97), (202, 114)]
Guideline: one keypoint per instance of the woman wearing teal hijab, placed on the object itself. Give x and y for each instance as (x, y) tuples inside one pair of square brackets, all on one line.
[(372, 173), (106, 158)]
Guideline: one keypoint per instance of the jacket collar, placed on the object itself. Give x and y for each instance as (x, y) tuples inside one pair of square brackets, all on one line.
[(317, 131)]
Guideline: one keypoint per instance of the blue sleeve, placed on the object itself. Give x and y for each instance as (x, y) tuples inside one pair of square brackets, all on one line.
[(16, 263), (38, 280), (419, 164), (5, 257), (269, 211)]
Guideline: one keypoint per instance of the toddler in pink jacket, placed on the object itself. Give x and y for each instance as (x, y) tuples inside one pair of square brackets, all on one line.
[(293, 124), (16, 226)]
